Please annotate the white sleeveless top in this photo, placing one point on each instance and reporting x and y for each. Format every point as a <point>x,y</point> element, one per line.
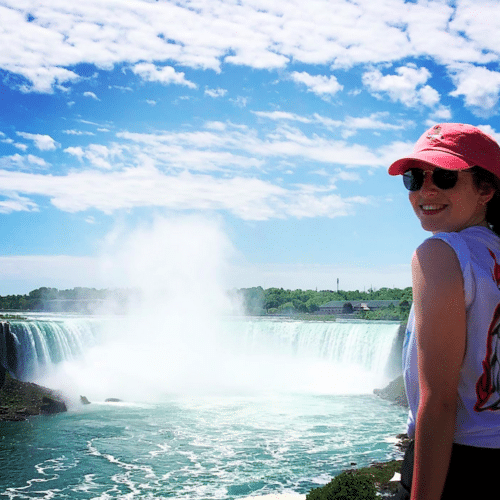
<point>478,418</point>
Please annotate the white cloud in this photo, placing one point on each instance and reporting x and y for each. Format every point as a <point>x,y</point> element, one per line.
<point>348,176</point>
<point>442,113</point>
<point>261,36</point>
<point>348,126</point>
<point>428,96</point>
<point>406,86</point>
<point>102,157</point>
<point>216,92</point>
<point>282,116</point>
<point>91,95</point>
<point>77,132</point>
<point>217,168</point>
<point>122,88</point>
<point>245,197</point>
<point>42,142</point>
<point>21,162</point>
<point>240,101</point>
<point>36,160</point>
<point>479,86</point>
<point>13,202</point>
<point>220,126</point>
<point>18,145</point>
<point>75,151</point>
<point>166,75</point>
<point>234,149</point>
<point>87,122</point>
<point>320,85</point>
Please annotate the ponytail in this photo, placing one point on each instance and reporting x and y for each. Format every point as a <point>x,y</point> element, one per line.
<point>482,177</point>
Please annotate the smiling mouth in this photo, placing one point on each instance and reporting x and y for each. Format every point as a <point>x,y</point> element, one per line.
<point>432,209</point>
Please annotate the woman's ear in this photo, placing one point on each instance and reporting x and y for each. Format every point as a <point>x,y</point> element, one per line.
<point>486,192</point>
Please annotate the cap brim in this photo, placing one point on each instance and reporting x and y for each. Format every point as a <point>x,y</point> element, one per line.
<point>434,158</point>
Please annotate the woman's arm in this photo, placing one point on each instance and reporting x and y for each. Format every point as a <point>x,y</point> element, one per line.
<point>440,322</point>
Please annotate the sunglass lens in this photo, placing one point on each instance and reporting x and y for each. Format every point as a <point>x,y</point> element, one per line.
<point>413,179</point>
<point>444,179</point>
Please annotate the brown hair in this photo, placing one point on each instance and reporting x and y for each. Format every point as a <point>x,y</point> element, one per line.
<point>482,177</point>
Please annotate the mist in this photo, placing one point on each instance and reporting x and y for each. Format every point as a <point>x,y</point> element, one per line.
<point>169,339</point>
<point>183,334</point>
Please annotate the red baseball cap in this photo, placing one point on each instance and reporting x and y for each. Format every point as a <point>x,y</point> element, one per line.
<point>453,146</point>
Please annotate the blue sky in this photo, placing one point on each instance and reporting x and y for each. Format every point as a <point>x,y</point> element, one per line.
<point>270,123</point>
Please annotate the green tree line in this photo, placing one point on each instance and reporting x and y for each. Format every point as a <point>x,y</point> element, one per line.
<point>39,299</point>
<point>256,301</point>
<point>259,301</point>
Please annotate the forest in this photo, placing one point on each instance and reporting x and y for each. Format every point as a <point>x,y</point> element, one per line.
<point>255,301</point>
<point>258,301</point>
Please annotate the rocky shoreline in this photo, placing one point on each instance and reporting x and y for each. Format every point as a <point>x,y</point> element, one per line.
<point>381,474</point>
<point>20,400</point>
<point>394,391</point>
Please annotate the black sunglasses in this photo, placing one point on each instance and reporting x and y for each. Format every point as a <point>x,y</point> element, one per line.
<point>413,179</point>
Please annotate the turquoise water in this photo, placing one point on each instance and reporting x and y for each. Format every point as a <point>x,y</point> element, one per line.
<point>196,447</point>
<point>235,408</point>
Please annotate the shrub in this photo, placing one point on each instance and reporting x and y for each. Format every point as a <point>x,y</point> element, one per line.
<point>345,486</point>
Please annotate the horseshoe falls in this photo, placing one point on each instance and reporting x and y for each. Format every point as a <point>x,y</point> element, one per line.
<point>233,354</point>
<point>221,409</point>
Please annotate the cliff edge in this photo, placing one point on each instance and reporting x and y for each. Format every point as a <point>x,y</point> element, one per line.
<point>20,400</point>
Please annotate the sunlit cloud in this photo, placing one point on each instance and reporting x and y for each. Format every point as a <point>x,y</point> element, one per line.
<point>12,202</point>
<point>247,198</point>
<point>60,35</point>
<point>165,75</point>
<point>479,86</point>
<point>77,132</point>
<point>406,86</point>
<point>216,92</point>
<point>42,142</point>
<point>318,84</point>
<point>92,95</point>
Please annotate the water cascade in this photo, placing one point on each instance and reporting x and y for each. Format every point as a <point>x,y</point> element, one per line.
<point>42,344</point>
<point>339,357</point>
<point>247,354</point>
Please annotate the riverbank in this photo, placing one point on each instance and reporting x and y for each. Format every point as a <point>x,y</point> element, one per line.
<point>20,400</point>
<point>384,476</point>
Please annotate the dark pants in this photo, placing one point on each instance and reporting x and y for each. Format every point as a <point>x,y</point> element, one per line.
<point>473,473</point>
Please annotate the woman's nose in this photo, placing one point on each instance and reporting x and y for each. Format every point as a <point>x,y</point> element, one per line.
<point>428,184</point>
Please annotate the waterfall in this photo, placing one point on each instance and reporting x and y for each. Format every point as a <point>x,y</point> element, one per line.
<point>41,344</point>
<point>250,354</point>
<point>367,344</point>
<point>339,357</point>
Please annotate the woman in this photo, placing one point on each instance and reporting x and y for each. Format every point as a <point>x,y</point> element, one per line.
<point>451,365</point>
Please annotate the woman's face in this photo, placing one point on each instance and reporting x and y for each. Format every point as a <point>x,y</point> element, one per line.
<point>450,210</point>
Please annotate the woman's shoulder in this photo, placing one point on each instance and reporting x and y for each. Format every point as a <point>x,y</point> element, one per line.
<point>436,263</point>
<point>436,256</point>
<point>471,241</point>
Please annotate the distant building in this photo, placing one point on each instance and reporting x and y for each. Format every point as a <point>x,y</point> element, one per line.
<point>353,306</point>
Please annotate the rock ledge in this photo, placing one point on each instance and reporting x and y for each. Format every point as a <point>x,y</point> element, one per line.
<point>20,400</point>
